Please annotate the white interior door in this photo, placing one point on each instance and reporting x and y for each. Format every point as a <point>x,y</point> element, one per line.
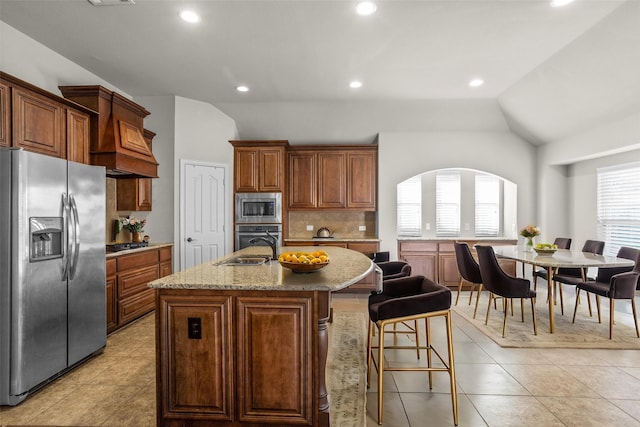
<point>203,213</point>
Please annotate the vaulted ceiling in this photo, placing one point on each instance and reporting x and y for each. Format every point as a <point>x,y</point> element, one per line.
<point>548,72</point>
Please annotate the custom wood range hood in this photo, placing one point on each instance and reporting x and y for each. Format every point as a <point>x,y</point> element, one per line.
<point>117,140</point>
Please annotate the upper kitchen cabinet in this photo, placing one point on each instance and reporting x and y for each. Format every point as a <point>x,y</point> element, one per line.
<point>117,140</point>
<point>5,115</point>
<point>259,166</point>
<point>134,194</point>
<point>333,177</point>
<point>42,122</point>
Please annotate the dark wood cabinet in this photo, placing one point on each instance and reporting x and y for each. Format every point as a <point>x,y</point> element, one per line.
<point>436,259</point>
<point>5,115</point>
<point>259,166</point>
<point>252,360</point>
<point>302,180</point>
<point>135,194</point>
<point>42,122</point>
<point>112,316</point>
<point>128,276</point>
<point>332,177</point>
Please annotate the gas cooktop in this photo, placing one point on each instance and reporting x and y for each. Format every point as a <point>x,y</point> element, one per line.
<point>117,247</point>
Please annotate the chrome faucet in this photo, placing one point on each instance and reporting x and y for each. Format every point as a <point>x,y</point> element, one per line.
<point>270,240</point>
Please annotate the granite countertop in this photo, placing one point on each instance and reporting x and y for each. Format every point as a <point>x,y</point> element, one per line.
<point>136,250</point>
<point>345,268</point>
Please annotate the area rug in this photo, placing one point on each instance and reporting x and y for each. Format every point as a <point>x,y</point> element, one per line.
<point>346,369</point>
<point>586,332</point>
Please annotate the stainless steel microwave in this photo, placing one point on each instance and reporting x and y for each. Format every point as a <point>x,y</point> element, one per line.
<point>259,208</point>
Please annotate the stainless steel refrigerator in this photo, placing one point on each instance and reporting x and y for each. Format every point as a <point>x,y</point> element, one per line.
<point>52,269</point>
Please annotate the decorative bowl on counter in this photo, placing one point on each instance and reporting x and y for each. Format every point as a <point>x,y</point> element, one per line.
<point>304,262</point>
<point>297,267</point>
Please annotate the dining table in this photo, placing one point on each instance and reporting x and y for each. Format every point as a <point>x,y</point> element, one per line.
<point>561,258</point>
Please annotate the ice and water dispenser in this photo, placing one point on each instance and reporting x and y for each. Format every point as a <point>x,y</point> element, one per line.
<point>46,238</point>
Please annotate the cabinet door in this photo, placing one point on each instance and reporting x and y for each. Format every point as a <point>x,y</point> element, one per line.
<point>5,116</point>
<point>271,169</point>
<point>302,180</point>
<point>77,136</point>
<point>361,180</point>
<point>422,264</point>
<point>134,194</point>
<point>38,124</point>
<point>367,284</point>
<point>197,372</point>
<point>332,179</point>
<point>246,169</point>
<point>275,360</point>
<point>448,274</point>
<point>112,319</point>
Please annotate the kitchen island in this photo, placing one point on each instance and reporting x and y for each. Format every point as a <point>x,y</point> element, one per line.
<point>247,344</point>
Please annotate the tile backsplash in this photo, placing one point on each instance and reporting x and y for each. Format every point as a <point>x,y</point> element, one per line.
<point>345,224</point>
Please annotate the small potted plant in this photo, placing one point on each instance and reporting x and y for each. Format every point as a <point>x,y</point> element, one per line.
<point>135,226</point>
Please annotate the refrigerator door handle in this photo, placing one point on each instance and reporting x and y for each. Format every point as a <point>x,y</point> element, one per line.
<point>67,244</point>
<point>76,236</point>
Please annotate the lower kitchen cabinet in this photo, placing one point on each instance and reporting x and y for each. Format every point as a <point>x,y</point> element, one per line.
<point>128,296</point>
<point>436,259</point>
<point>240,358</point>
<point>365,285</point>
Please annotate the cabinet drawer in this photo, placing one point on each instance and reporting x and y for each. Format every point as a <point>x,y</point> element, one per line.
<point>446,247</point>
<point>127,262</point>
<point>418,246</point>
<point>134,307</point>
<point>111,267</point>
<point>132,282</point>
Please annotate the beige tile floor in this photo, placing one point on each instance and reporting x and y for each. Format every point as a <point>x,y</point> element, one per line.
<point>496,386</point>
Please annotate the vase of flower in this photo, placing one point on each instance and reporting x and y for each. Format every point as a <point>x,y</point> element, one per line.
<point>529,246</point>
<point>529,232</point>
<point>134,225</point>
<point>136,236</point>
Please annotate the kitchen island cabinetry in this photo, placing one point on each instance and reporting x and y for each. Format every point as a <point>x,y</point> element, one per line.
<point>259,166</point>
<point>332,177</point>
<point>42,122</point>
<point>436,259</point>
<point>247,345</point>
<point>127,276</point>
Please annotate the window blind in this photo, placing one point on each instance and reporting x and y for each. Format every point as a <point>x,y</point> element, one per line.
<point>487,212</point>
<point>409,206</point>
<point>619,206</point>
<point>447,203</point>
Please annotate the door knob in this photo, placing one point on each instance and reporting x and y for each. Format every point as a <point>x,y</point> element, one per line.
<point>189,239</point>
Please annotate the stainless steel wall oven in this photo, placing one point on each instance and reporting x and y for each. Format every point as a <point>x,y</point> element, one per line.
<point>246,232</point>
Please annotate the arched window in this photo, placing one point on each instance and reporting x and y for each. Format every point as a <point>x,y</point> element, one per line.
<point>456,202</point>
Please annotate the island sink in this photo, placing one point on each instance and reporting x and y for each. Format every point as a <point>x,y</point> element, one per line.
<point>246,260</point>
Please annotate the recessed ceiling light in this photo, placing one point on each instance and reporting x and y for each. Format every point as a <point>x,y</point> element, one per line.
<point>242,88</point>
<point>190,16</point>
<point>476,83</point>
<point>366,8</point>
<point>355,84</point>
<point>560,3</point>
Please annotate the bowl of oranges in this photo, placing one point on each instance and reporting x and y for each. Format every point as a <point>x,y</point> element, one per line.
<point>304,262</point>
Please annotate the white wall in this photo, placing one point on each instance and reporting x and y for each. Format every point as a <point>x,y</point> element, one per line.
<point>202,133</point>
<point>402,155</point>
